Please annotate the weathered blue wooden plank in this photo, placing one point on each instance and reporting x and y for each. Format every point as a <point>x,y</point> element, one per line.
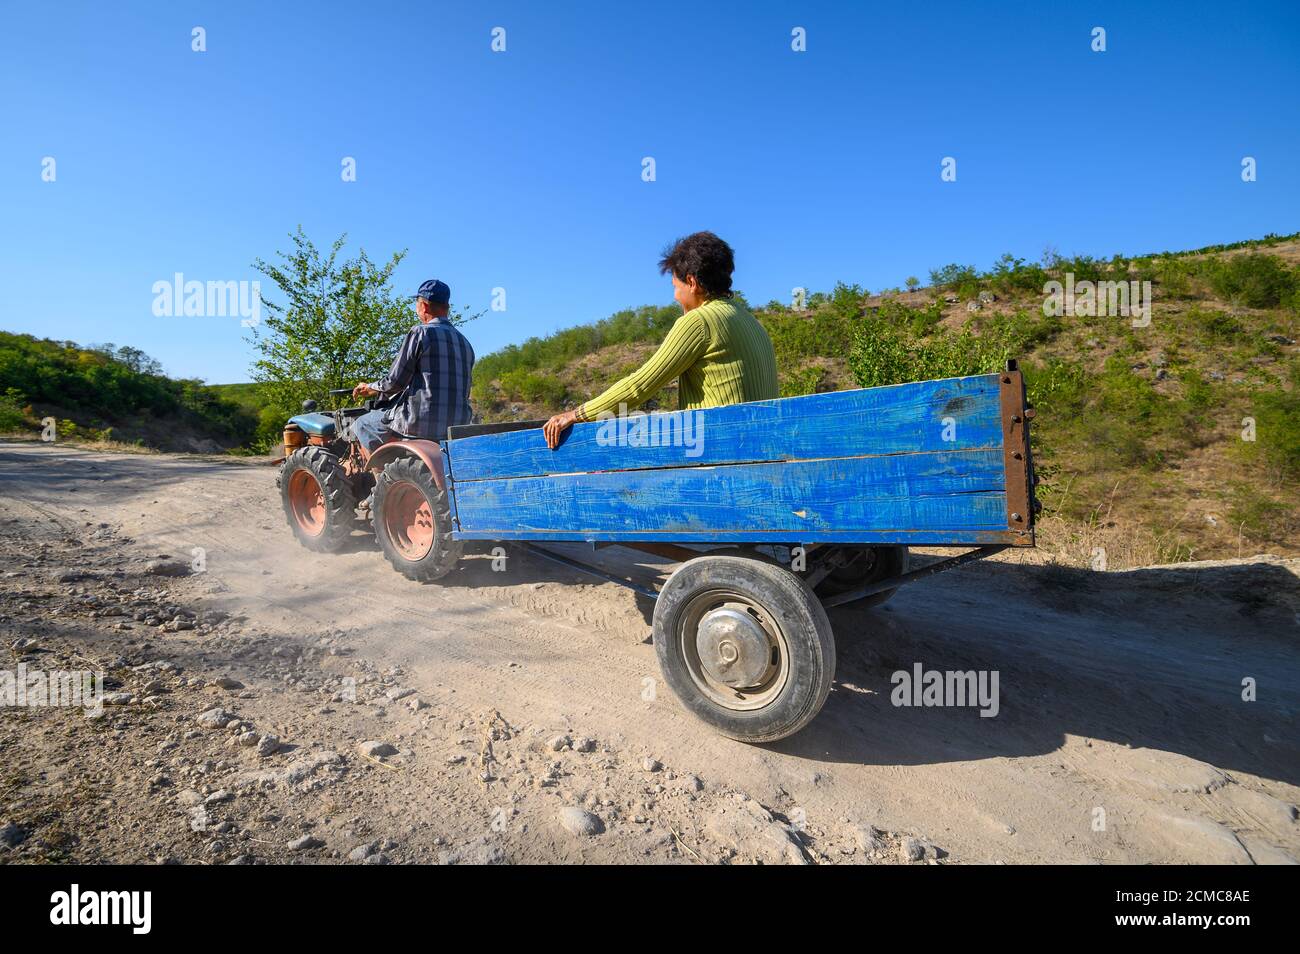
<point>947,415</point>
<point>915,538</point>
<point>906,493</point>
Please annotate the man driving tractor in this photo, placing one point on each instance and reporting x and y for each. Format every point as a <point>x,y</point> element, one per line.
<point>430,378</point>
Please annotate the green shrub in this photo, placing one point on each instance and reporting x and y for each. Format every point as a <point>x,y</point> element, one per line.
<point>1010,274</point>
<point>524,385</point>
<point>798,337</point>
<point>884,354</point>
<point>12,417</point>
<point>70,430</point>
<point>1277,430</point>
<point>1254,514</point>
<point>962,280</point>
<point>1198,393</point>
<point>954,276</point>
<point>1172,276</point>
<point>802,381</point>
<point>1024,330</point>
<point>1125,394</point>
<point>1256,280</point>
<point>917,321</point>
<point>1059,389</point>
<point>1214,326</point>
<point>846,301</point>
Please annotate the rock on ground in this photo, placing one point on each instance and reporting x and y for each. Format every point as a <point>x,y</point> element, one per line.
<point>750,830</point>
<point>580,823</point>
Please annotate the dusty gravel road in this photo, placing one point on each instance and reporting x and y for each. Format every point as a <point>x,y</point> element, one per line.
<point>1121,736</point>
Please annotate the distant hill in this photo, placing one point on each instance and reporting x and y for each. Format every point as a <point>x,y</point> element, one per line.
<point>114,395</point>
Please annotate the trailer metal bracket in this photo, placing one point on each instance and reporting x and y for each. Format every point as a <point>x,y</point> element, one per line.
<point>893,582</point>
<point>588,568</point>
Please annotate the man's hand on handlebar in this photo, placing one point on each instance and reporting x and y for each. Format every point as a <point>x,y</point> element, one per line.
<point>363,390</point>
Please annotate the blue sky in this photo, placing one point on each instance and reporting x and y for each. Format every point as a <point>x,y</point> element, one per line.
<point>522,169</point>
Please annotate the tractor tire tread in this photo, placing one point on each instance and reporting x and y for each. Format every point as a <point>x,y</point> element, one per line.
<point>445,552</point>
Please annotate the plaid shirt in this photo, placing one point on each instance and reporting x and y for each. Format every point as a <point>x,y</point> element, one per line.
<point>433,368</point>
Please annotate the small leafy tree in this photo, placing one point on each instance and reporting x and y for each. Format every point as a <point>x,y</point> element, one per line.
<point>846,300</point>
<point>339,322</point>
<point>912,283</point>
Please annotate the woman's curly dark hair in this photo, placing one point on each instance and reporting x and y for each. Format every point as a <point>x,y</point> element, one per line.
<point>705,256</point>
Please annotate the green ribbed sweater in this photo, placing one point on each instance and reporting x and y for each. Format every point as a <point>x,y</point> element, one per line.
<point>719,351</point>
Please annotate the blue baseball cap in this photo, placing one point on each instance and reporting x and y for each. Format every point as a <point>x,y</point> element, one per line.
<point>435,291</point>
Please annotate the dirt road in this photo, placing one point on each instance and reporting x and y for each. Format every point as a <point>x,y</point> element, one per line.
<point>1121,733</point>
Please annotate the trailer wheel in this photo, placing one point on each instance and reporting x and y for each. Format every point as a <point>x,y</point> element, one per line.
<point>317,499</point>
<point>745,645</point>
<point>412,521</point>
<point>867,565</point>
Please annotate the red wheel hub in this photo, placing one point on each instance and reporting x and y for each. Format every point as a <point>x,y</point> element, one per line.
<point>408,520</point>
<point>307,502</point>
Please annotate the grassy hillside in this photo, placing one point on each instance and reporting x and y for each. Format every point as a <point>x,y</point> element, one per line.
<point>115,395</point>
<point>1144,436</point>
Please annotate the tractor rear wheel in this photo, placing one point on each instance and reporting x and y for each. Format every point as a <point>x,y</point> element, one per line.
<point>412,520</point>
<point>317,499</point>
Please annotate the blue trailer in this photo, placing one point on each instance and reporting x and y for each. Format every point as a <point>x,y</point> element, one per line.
<point>775,510</point>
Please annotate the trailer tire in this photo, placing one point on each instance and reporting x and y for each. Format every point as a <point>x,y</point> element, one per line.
<point>412,521</point>
<point>317,499</point>
<point>886,562</point>
<point>768,655</point>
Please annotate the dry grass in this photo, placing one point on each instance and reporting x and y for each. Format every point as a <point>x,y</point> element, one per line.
<point>116,447</point>
<point>1107,545</point>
